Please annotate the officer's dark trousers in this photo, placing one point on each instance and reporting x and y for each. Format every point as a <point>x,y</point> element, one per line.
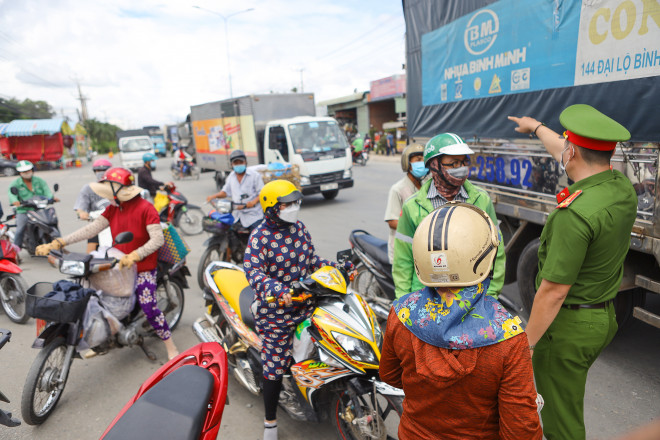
<point>561,361</point>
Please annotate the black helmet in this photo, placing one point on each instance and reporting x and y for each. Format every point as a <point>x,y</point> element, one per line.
<point>237,154</point>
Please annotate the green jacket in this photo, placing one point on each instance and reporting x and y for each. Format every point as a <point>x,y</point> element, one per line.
<point>414,210</point>
<point>39,186</point>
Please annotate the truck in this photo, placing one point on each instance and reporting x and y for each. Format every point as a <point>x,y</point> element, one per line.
<point>132,145</point>
<point>274,128</point>
<point>471,63</point>
<point>158,139</point>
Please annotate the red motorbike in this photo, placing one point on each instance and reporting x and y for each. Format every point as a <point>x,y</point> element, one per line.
<point>184,399</point>
<point>12,284</point>
<point>180,213</point>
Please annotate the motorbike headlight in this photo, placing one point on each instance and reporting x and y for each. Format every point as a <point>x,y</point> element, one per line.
<point>304,180</point>
<point>356,348</point>
<point>75,268</point>
<point>347,174</point>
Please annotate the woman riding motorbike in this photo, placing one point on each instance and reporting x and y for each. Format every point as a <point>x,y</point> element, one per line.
<point>280,252</point>
<point>129,212</point>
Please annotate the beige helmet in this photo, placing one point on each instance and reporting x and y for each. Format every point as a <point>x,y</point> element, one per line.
<point>454,246</point>
<point>409,151</point>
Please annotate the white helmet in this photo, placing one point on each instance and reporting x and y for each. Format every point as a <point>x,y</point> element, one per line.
<point>454,246</point>
<point>23,166</point>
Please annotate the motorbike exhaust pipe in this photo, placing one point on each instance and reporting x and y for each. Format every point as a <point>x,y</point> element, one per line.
<point>204,331</point>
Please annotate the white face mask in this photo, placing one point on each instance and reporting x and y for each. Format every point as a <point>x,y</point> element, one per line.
<point>290,213</point>
<point>563,165</point>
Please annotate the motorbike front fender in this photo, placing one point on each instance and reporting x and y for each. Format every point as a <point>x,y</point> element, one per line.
<point>8,266</point>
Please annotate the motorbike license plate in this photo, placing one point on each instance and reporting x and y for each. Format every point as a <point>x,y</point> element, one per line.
<point>329,186</point>
<point>41,325</point>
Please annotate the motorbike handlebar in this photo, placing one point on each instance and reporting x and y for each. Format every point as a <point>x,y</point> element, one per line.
<point>5,335</point>
<point>302,297</point>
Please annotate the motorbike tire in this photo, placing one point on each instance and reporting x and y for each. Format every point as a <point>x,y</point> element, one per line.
<point>175,174</point>
<point>190,222</point>
<point>215,252</point>
<point>365,284</point>
<point>170,297</point>
<point>361,160</point>
<point>528,267</point>
<point>14,288</point>
<point>387,406</point>
<point>40,385</point>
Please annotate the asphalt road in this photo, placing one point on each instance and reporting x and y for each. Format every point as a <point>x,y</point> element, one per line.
<point>623,390</point>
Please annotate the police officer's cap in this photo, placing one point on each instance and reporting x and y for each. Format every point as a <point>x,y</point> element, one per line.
<point>587,127</point>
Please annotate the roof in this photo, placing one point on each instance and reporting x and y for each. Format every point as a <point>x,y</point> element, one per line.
<point>31,127</point>
<point>343,100</point>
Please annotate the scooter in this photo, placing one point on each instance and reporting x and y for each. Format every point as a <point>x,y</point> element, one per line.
<point>60,325</point>
<point>374,271</point>
<point>180,213</point>
<point>12,285</point>
<point>5,416</point>
<point>184,399</point>
<point>42,225</point>
<point>228,238</point>
<point>189,170</point>
<point>360,157</point>
<point>336,352</point>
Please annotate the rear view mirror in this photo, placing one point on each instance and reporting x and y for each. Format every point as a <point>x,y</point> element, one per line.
<point>123,237</point>
<point>14,190</point>
<point>56,187</point>
<point>343,256</point>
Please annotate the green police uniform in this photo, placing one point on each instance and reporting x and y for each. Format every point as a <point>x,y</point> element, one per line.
<point>584,244</point>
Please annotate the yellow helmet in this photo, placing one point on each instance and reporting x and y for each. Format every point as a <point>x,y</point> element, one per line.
<point>278,191</point>
<point>454,246</point>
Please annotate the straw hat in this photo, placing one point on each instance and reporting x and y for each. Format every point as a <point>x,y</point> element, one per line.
<point>104,189</point>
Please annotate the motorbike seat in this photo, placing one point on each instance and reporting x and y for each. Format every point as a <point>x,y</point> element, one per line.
<point>374,246</point>
<point>175,407</point>
<point>245,300</point>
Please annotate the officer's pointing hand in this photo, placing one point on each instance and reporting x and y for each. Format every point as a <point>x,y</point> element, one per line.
<point>525,124</point>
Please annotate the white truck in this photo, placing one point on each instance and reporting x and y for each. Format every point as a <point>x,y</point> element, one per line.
<point>274,128</point>
<point>132,145</point>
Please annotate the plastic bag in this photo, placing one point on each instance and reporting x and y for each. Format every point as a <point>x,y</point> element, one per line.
<point>116,281</point>
<point>161,200</point>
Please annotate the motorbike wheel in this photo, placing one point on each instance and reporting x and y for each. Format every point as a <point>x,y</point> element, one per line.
<point>42,388</point>
<point>175,174</point>
<point>366,285</point>
<point>385,423</point>
<point>190,222</point>
<point>361,160</point>
<point>13,291</point>
<point>170,299</point>
<point>212,253</point>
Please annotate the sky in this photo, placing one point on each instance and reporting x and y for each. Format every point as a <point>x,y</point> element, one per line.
<point>146,62</point>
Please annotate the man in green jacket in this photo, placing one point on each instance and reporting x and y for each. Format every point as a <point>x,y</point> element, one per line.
<point>28,186</point>
<point>446,155</point>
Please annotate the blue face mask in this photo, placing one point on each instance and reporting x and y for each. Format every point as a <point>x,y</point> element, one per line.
<point>152,164</point>
<point>418,169</point>
<point>240,169</point>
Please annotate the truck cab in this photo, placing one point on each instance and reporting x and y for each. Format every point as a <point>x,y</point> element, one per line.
<point>131,150</point>
<point>319,148</point>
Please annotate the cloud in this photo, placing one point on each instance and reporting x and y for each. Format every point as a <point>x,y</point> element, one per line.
<point>144,63</point>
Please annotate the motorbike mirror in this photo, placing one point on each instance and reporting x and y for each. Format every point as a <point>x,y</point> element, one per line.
<point>123,237</point>
<point>343,256</point>
<point>14,190</point>
<point>56,187</point>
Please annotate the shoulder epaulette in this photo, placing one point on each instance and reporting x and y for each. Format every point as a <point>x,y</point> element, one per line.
<point>568,200</point>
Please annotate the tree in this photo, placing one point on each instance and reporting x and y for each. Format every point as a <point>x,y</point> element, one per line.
<point>12,108</point>
<point>102,134</point>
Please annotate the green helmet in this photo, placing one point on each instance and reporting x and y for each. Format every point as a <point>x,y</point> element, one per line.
<point>445,143</point>
<point>24,165</point>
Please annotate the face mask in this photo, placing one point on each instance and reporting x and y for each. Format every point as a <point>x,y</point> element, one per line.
<point>240,169</point>
<point>27,175</point>
<point>563,165</point>
<point>418,169</point>
<point>99,175</point>
<point>152,164</point>
<point>290,213</point>
<point>458,173</point>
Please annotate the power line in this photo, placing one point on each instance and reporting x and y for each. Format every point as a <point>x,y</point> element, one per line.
<point>357,39</point>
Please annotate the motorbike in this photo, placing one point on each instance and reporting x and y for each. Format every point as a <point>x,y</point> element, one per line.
<point>374,271</point>
<point>336,352</point>
<point>360,157</point>
<point>12,285</point>
<point>41,225</point>
<point>180,213</point>
<point>105,236</point>
<point>184,399</point>
<point>60,325</point>
<point>228,238</point>
<point>5,416</point>
<point>189,170</point>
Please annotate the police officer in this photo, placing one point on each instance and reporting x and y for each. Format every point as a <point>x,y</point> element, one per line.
<point>583,246</point>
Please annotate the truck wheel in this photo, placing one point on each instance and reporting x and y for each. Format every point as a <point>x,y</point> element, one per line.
<point>528,267</point>
<point>625,302</point>
<point>329,195</point>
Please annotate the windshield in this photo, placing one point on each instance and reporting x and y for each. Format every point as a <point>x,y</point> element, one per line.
<point>136,145</point>
<point>317,136</point>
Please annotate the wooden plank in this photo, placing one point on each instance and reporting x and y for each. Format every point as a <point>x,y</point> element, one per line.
<point>647,317</point>
<point>647,283</point>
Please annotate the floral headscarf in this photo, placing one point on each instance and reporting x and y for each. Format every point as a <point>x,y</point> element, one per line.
<point>462,318</point>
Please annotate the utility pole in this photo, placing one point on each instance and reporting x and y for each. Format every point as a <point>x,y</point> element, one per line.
<point>301,80</point>
<point>83,104</point>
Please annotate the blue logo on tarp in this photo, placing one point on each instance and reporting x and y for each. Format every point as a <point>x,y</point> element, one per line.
<point>481,31</point>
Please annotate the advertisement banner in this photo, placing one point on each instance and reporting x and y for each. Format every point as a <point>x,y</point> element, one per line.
<point>220,135</point>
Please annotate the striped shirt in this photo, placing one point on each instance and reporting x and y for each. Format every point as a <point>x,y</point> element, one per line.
<point>437,200</point>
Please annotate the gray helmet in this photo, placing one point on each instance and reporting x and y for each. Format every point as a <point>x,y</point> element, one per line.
<point>237,154</point>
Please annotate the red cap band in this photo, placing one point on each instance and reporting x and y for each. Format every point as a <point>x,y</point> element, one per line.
<point>591,144</point>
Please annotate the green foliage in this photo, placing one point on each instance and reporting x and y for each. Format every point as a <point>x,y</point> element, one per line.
<point>102,135</point>
<point>12,108</point>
